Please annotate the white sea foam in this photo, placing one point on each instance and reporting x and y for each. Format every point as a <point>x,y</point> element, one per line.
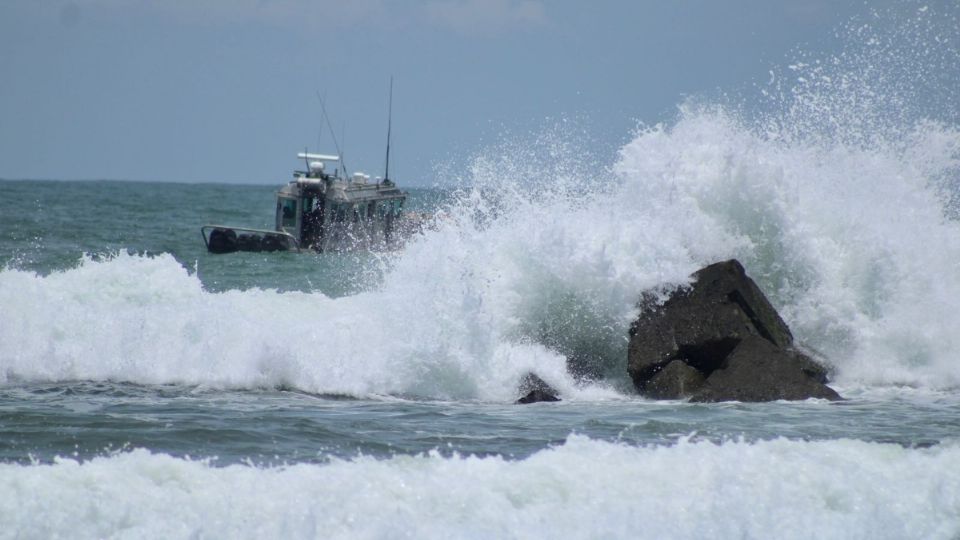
<point>147,320</point>
<point>582,489</point>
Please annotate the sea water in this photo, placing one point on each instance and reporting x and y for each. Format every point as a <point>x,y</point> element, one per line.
<point>151,389</point>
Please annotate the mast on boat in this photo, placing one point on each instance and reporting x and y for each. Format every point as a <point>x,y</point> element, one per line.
<point>326,118</point>
<point>386,171</point>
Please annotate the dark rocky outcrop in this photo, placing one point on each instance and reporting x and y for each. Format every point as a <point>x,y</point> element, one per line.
<point>676,380</point>
<point>534,389</point>
<point>726,331</point>
<point>757,370</point>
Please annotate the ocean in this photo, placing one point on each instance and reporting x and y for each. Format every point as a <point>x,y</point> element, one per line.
<point>151,389</point>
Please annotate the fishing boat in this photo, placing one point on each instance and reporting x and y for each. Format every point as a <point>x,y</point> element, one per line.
<point>324,211</point>
<point>327,211</point>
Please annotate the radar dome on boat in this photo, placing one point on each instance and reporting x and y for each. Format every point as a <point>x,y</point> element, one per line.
<point>316,166</point>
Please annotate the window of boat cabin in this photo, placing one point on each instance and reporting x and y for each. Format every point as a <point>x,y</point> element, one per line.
<point>288,208</point>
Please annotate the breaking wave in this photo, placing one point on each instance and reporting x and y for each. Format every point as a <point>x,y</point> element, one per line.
<point>581,489</point>
<point>839,196</point>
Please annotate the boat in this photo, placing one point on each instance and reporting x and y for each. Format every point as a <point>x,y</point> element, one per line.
<point>323,211</point>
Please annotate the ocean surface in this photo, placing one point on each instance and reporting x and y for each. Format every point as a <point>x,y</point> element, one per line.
<point>151,389</point>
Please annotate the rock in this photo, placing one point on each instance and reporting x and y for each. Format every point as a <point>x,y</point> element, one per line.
<point>534,389</point>
<point>537,396</point>
<point>674,381</point>
<point>704,323</point>
<point>810,367</point>
<point>701,326</point>
<point>757,370</point>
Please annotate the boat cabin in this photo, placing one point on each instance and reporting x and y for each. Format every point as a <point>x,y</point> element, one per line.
<point>327,212</point>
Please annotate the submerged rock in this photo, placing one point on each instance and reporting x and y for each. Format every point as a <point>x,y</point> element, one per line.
<point>700,328</point>
<point>533,389</point>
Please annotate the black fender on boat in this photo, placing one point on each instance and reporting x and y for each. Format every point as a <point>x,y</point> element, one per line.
<point>222,241</point>
<point>249,242</point>
<point>273,243</point>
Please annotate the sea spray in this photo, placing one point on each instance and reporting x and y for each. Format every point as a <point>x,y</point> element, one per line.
<point>839,194</point>
<point>851,244</point>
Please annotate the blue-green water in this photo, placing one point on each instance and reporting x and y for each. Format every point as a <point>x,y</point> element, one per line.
<point>88,419</point>
<point>49,225</point>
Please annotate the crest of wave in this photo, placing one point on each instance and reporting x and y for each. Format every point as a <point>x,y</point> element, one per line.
<point>852,244</point>
<point>147,320</point>
<point>546,249</point>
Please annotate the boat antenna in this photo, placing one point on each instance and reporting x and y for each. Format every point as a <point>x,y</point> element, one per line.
<point>320,129</point>
<point>386,169</point>
<point>333,135</point>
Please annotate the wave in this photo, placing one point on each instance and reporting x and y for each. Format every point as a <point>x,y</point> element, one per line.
<point>852,246</point>
<point>581,489</point>
<point>839,197</point>
<point>148,320</point>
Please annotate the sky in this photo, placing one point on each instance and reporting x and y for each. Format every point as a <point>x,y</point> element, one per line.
<point>230,90</point>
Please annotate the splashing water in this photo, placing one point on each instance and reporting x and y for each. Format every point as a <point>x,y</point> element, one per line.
<point>839,197</point>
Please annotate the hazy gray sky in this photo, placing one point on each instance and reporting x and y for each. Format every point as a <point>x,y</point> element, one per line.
<point>226,90</point>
